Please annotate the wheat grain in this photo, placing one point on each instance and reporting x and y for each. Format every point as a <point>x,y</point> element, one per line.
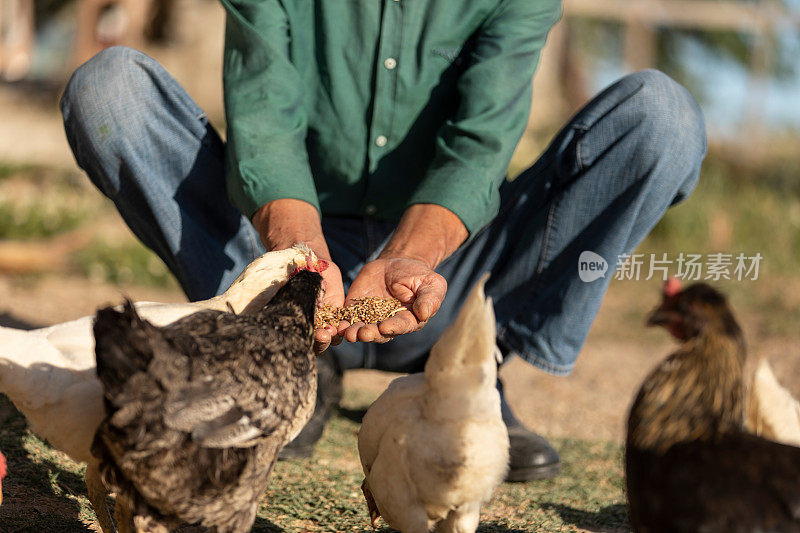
<point>367,310</point>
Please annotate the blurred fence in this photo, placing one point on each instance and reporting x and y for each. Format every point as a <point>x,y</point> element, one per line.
<point>562,84</point>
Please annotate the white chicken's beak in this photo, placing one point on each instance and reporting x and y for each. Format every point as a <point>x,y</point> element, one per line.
<point>498,355</point>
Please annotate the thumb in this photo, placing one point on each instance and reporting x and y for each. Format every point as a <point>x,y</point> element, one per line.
<point>429,298</point>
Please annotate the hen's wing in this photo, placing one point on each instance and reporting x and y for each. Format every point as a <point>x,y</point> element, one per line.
<point>124,346</point>
<point>383,414</point>
<point>227,400</point>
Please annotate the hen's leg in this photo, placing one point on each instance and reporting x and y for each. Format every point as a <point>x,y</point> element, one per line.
<point>372,507</point>
<point>123,513</point>
<point>97,497</point>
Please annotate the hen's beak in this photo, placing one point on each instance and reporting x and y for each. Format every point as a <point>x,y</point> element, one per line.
<point>661,317</point>
<point>656,318</point>
<point>498,356</point>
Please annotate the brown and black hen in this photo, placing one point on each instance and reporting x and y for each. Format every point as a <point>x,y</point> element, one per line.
<point>690,465</point>
<point>198,410</point>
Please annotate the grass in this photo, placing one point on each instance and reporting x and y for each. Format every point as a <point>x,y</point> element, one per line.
<point>44,489</point>
<point>37,203</point>
<point>128,262</point>
<point>733,214</point>
<point>36,222</point>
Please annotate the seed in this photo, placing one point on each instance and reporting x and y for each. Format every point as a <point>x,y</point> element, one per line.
<point>367,310</point>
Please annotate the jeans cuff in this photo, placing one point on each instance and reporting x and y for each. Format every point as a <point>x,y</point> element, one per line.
<point>541,361</point>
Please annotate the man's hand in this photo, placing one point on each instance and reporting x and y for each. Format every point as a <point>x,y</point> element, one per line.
<point>283,223</point>
<point>411,281</point>
<point>425,236</point>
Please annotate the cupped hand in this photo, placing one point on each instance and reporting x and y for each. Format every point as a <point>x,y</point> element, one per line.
<point>411,281</point>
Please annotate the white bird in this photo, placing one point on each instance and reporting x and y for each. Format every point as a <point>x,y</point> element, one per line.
<point>50,373</point>
<point>433,446</point>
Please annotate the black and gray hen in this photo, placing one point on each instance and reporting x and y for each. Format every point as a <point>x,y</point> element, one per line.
<point>690,466</point>
<point>197,411</point>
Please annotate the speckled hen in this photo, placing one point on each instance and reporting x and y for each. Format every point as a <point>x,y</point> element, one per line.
<point>198,410</point>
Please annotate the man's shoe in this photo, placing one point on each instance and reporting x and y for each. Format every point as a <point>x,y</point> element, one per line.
<point>329,394</point>
<point>530,455</point>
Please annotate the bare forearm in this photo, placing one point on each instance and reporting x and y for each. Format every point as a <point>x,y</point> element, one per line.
<point>282,223</point>
<point>426,232</point>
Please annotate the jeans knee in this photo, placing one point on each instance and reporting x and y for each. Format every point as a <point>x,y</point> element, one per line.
<point>102,108</point>
<point>673,129</point>
<point>104,103</point>
<point>670,114</point>
<point>104,80</point>
<point>105,95</point>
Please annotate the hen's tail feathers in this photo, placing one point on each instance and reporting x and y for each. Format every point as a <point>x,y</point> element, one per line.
<point>122,346</point>
<point>470,342</point>
<point>772,411</point>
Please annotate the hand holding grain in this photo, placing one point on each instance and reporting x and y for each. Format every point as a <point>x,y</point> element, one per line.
<point>411,281</point>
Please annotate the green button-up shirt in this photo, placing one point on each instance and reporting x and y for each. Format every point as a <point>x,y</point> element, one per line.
<point>369,106</point>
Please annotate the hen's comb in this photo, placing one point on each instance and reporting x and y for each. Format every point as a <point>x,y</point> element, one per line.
<point>319,267</point>
<point>2,466</point>
<point>672,287</point>
<point>310,265</point>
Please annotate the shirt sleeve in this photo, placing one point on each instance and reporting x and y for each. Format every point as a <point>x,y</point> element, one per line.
<point>474,148</point>
<point>266,155</point>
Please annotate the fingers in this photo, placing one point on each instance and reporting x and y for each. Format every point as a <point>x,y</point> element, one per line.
<point>325,337</point>
<point>410,281</point>
<point>401,323</point>
<point>322,339</point>
<point>360,332</point>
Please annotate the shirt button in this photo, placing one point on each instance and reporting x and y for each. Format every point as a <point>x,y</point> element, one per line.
<point>390,63</point>
<point>380,140</point>
<point>370,210</point>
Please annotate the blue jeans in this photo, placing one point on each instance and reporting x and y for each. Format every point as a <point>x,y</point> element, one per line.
<point>602,184</point>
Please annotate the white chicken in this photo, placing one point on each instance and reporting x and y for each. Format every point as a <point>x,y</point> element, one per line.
<point>49,373</point>
<point>433,446</point>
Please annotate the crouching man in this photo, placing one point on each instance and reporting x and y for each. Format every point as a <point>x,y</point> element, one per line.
<point>380,132</point>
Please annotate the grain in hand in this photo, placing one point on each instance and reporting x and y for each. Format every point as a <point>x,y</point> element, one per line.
<point>370,310</point>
